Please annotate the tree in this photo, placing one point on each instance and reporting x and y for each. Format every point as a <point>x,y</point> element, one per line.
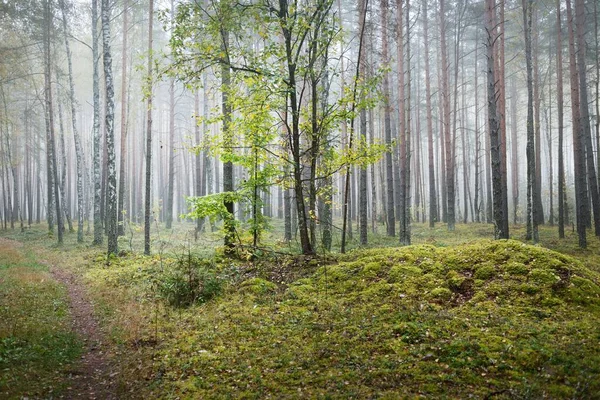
<point>362,202</point>
<point>448,143</point>
<point>559,105</point>
<point>581,199</point>
<point>52,171</point>
<point>98,230</point>
<point>148,183</point>
<point>430,157</point>
<point>111,209</point>
<point>532,219</point>
<point>76,137</point>
<point>123,160</point>
<point>500,216</point>
<point>584,113</point>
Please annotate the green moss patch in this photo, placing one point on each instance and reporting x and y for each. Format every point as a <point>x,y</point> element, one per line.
<point>487,317</point>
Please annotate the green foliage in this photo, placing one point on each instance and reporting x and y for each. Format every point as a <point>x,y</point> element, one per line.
<point>413,321</point>
<point>189,281</point>
<point>36,341</point>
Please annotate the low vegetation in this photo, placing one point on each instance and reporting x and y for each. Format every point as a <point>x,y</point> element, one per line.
<point>488,319</point>
<point>36,342</point>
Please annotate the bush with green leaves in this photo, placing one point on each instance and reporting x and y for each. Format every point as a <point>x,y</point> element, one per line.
<point>188,281</point>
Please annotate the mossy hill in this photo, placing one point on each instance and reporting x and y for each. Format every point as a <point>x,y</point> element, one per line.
<point>490,319</point>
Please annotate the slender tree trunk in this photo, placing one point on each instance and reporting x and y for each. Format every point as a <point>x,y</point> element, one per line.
<point>53,191</point>
<point>123,159</point>
<point>404,234</point>
<point>578,145</point>
<point>502,115</point>
<point>62,156</point>
<point>111,189</point>
<point>362,199</point>
<point>148,183</point>
<point>500,218</point>
<point>537,200</point>
<point>433,217</point>
<point>387,111</point>
<point>449,145</point>
<point>559,105</point>
<point>515,148</point>
<point>228,186</point>
<point>585,125</point>
<point>98,232</point>
<point>532,219</point>
<point>76,137</point>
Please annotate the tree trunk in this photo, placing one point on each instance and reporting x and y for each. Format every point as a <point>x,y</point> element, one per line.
<point>111,189</point>
<point>578,145</point>
<point>228,223</point>
<point>53,191</point>
<point>98,233</point>
<point>500,218</point>
<point>584,114</point>
<point>76,137</point>
<point>559,105</point>
<point>537,200</point>
<point>123,159</point>
<point>449,145</point>
<point>532,220</point>
<point>431,166</point>
<point>515,148</point>
<point>148,183</point>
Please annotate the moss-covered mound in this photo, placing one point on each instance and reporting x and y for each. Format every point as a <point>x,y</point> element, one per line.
<point>495,319</point>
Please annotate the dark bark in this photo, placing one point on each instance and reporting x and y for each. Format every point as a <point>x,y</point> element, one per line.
<point>579,172</point>
<point>500,217</point>
<point>123,159</point>
<point>430,158</point>
<point>584,114</point>
<point>559,105</point>
<point>148,183</point>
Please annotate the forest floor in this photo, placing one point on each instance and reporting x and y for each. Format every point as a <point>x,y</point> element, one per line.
<point>34,361</point>
<point>456,316</point>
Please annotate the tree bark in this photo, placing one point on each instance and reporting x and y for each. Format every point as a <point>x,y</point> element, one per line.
<point>98,226</point>
<point>532,219</point>
<point>123,160</point>
<point>111,189</point>
<point>584,114</point>
<point>559,105</point>
<point>76,137</point>
<point>53,190</point>
<point>500,217</point>
<point>148,183</point>
<point>579,172</point>
<point>431,166</point>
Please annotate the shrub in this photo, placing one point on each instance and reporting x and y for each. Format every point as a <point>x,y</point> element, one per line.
<point>189,281</point>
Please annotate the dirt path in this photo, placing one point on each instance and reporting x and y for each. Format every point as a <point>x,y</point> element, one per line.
<point>92,377</point>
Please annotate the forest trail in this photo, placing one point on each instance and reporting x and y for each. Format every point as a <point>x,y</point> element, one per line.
<point>91,377</point>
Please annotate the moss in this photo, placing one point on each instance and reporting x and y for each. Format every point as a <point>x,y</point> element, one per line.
<point>400,272</point>
<point>455,280</point>
<point>528,288</point>
<point>485,272</point>
<point>258,286</point>
<point>543,277</point>
<point>370,270</point>
<point>515,268</point>
<point>440,294</point>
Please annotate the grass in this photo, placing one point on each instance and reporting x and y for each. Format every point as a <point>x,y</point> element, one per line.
<point>36,342</point>
<point>454,316</point>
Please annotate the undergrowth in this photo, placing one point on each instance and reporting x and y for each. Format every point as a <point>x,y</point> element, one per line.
<point>452,317</point>
<point>36,342</point>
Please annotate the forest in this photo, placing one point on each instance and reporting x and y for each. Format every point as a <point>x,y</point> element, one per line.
<point>299,198</point>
